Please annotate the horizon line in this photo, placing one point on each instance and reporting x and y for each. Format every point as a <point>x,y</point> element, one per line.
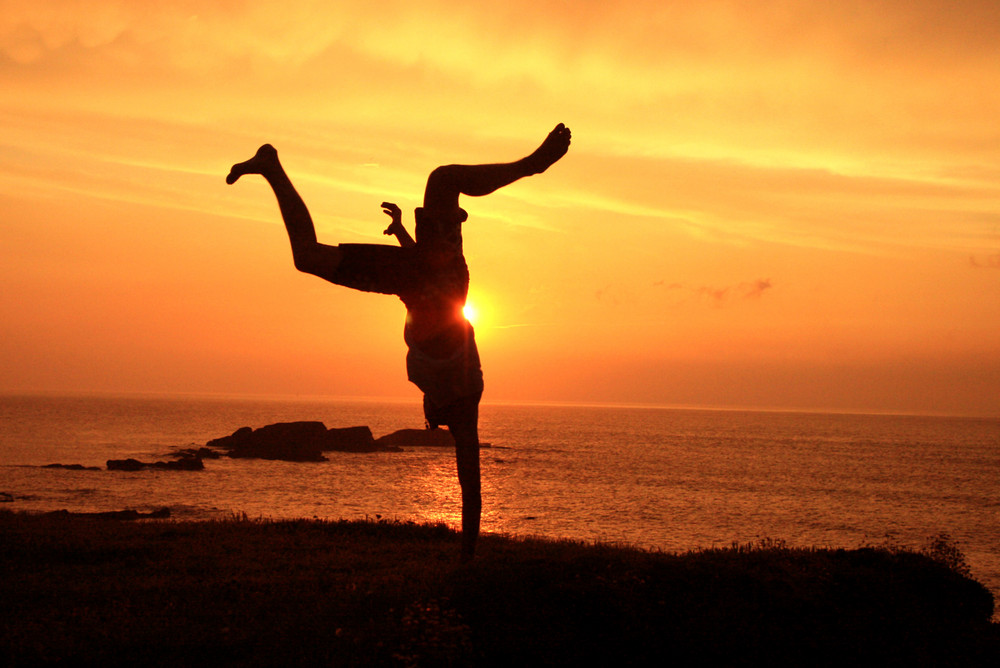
<point>551,403</point>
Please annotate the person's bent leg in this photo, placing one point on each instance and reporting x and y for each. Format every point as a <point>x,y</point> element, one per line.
<point>466,436</point>
<point>309,255</point>
<point>446,183</point>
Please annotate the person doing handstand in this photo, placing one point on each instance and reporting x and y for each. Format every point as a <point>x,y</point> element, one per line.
<point>429,274</point>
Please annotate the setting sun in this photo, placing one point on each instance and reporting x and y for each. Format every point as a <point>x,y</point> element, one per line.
<point>470,312</point>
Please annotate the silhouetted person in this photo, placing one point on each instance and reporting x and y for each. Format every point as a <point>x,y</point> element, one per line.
<point>431,277</point>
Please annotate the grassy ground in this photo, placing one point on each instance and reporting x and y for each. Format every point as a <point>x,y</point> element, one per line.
<point>79,591</point>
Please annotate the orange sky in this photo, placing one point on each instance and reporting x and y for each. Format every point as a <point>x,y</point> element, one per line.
<point>785,205</point>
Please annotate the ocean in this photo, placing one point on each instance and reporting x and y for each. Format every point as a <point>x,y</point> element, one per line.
<point>659,478</point>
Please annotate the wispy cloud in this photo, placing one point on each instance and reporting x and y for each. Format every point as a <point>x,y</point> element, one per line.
<point>987,262</point>
<point>719,295</point>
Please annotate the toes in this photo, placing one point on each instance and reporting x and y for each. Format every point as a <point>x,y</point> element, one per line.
<point>265,156</point>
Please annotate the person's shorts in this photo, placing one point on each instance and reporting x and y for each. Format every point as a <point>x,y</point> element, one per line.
<point>389,270</point>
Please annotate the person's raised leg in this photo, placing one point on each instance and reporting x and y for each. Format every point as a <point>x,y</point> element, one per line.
<point>309,255</point>
<point>446,183</point>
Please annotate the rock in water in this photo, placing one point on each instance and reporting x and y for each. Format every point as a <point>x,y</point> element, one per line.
<point>350,439</point>
<point>413,438</point>
<point>182,464</point>
<point>418,438</point>
<point>303,441</point>
<point>125,465</point>
<point>291,441</point>
<point>72,467</point>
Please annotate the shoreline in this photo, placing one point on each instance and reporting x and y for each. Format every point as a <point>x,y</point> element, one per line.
<point>245,592</point>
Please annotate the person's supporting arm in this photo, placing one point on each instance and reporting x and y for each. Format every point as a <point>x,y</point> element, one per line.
<point>396,226</point>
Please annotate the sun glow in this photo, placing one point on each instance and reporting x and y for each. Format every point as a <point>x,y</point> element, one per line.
<point>470,312</point>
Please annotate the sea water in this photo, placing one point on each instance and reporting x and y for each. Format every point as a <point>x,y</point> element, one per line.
<point>658,478</point>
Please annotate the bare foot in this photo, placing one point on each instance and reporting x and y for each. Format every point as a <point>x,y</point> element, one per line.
<point>553,148</point>
<point>263,160</point>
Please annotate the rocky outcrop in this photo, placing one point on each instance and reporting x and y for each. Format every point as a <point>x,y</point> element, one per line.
<point>200,453</point>
<point>72,467</point>
<point>182,464</point>
<point>295,441</point>
<point>419,438</point>
<point>350,439</point>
